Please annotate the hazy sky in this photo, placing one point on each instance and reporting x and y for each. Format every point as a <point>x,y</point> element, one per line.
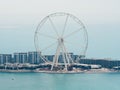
<point>19,19</point>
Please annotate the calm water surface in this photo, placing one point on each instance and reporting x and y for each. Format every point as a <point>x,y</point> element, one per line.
<point>42,81</point>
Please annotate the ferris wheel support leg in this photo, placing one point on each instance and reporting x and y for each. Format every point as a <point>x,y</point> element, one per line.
<point>52,64</point>
<point>55,59</point>
<point>58,53</point>
<point>64,59</point>
<point>66,54</point>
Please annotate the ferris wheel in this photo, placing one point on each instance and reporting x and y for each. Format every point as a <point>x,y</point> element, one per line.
<point>60,34</point>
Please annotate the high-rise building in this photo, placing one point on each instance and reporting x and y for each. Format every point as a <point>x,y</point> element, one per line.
<point>49,57</point>
<point>20,58</point>
<point>5,58</point>
<point>34,58</point>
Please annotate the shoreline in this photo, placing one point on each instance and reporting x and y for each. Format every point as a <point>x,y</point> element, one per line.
<point>61,72</point>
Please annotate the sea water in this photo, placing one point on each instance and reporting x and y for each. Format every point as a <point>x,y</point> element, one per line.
<point>44,81</point>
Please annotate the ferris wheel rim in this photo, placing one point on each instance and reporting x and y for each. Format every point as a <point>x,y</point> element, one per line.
<point>61,13</point>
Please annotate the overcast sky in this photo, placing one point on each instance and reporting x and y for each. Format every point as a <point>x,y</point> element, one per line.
<point>19,19</point>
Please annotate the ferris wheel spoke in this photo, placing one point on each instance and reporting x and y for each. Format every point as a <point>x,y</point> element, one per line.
<point>49,46</point>
<point>82,50</point>
<point>71,43</point>
<point>54,28</point>
<point>68,42</point>
<point>45,35</point>
<point>65,25</point>
<point>73,32</point>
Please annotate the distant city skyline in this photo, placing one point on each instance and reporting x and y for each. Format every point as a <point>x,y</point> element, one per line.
<point>19,19</point>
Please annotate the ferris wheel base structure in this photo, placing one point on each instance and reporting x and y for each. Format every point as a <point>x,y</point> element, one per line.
<point>58,34</point>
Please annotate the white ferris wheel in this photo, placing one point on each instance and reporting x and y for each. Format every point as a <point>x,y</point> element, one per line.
<point>60,34</point>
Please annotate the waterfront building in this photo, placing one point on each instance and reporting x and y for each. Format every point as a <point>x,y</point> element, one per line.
<point>34,58</point>
<point>60,59</point>
<point>70,55</point>
<point>20,58</point>
<point>49,57</point>
<point>5,58</point>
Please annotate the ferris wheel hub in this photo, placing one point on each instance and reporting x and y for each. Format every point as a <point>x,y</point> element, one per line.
<point>60,40</point>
